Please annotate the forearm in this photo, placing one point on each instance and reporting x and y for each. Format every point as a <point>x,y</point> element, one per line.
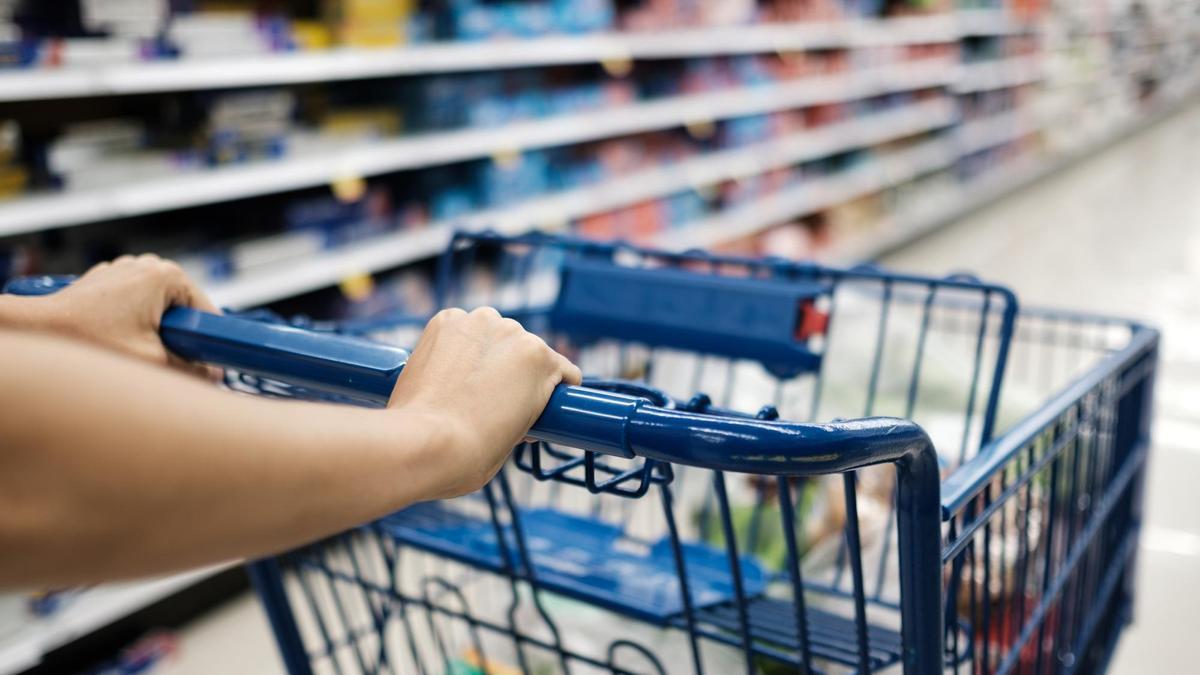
<point>19,312</point>
<point>109,467</point>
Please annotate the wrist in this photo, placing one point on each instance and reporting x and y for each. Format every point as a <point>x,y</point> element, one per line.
<point>448,450</point>
<point>27,313</point>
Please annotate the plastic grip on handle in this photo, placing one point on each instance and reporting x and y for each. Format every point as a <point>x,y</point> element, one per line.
<point>333,363</point>
<point>589,419</point>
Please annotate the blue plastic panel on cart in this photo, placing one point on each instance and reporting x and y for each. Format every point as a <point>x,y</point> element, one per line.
<point>580,558</point>
<point>752,318</point>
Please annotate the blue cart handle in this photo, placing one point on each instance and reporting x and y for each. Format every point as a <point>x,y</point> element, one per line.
<point>591,419</point>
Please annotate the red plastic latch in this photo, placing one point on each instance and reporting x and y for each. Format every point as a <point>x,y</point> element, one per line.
<point>811,321</point>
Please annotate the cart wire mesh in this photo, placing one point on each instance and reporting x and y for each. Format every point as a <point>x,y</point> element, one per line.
<point>570,561</point>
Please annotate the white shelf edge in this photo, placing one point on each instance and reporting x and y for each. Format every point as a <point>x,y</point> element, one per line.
<point>995,130</point>
<point>350,63</point>
<point>987,22</point>
<point>51,210</point>
<point>91,610</point>
<point>549,212</point>
<point>998,74</point>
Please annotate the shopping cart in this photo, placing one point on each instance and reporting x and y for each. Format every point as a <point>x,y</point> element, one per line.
<point>668,521</point>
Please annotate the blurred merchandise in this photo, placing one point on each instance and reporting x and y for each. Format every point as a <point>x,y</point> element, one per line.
<point>371,24</point>
<point>13,176</point>
<point>96,154</point>
<point>248,125</point>
<point>140,657</point>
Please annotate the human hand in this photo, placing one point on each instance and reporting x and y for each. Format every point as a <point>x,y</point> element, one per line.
<point>119,305</point>
<point>483,380</point>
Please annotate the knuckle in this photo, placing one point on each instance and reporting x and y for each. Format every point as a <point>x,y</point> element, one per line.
<point>535,344</point>
<point>485,312</point>
<point>168,270</point>
<point>448,314</point>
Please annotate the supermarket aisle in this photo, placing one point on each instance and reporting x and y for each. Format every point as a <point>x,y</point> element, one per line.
<point>1118,234</point>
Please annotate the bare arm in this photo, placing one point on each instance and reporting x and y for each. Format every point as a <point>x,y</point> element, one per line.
<point>111,467</point>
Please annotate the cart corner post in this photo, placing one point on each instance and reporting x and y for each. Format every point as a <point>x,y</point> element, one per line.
<point>919,524</point>
<point>267,577</point>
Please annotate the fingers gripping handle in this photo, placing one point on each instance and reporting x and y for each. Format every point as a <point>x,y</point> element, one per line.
<point>584,418</point>
<point>577,416</point>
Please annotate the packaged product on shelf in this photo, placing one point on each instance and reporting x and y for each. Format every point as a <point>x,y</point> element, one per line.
<point>15,51</point>
<point>310,35</point>
<point>667,14</point>
<point>684,208</point>
<point>407,293</point>
<point>472,20</point>
<point>94,154</point>
<point>52,601</point>
<point>94,51</point>
<point>472,662</point>
<point>338,221</point>
<point>802,10</point>
<point>244,126</point>
<point>136,19</point>
<point>13,176</point>
<point>361,123</point>
<point>371,24</point>
<point>451,203</point>
<point>792,241</point>
<point>227,32</point>
<point>583,16</point>
<point>13,614</point>
<point>854,217</point>
<point>505,180</point>
<point>141,656</point>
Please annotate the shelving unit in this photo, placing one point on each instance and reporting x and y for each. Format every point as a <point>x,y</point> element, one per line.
<point>1010,72</point>
<point>551,212</point>
<point>41,212</point>
<point>758,215</point>
<point>351,64</point>
<point>91,610</point>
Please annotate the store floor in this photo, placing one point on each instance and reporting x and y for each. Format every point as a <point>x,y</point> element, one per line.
<point>1117,234</point>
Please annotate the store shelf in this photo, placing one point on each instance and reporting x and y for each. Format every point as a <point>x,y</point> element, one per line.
<point>50,210</point>
<point>985,22</point>
<point>93,609</point>
<point>758,215</point>
<point>996,130</point>
<point>354,64</point>
<point>999,74</point>
<point>292,277</point>
<point>916,222</point>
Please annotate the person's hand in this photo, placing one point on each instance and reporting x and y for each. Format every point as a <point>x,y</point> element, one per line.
<point>484,381</point>
<point>119,305</point>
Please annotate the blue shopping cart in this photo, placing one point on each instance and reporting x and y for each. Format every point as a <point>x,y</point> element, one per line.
<point>669,520</point>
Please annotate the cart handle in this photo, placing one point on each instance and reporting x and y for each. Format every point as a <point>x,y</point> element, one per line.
<point>602,421</point>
